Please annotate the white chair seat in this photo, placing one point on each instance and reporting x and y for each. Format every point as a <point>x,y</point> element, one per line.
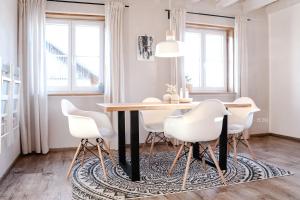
<point>235,129</point>
<point>157,128</point>
<point>88,125</point>
<point>202,124</point>
<point>153,121</point>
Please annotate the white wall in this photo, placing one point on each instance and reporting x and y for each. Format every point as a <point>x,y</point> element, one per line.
<point>144,79</point>
<point>284,47</point>
<point>258,69</point>
<point>10,145</point>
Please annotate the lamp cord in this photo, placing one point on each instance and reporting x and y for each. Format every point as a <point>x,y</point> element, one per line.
<point>170,22</point>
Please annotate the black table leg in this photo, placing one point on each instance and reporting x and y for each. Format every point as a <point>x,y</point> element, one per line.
<point>196,150</point>
<point>223,145</point>
<point>134,145</point>
<point>121,139</point>
<point>132,169</point>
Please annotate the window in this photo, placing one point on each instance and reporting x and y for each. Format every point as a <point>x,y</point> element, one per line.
<point>206,59</point>
<point>74,55</point>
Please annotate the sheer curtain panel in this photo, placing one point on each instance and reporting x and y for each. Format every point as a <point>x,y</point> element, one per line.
<point>114,91</point>
<point>241,56</point>
<point>33,109</point>
<point>178,23</point>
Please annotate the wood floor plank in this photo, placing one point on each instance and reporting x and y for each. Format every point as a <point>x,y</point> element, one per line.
<point>42,177</point>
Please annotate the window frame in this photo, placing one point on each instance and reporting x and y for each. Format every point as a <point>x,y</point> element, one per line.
<point>204,29</point>
<point>73,20</point>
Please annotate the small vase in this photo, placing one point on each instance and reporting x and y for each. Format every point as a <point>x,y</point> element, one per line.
<point>175,98</point>
<point>167,98</point>
<point>189,87</point>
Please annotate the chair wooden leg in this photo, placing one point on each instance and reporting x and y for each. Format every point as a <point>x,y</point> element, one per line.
<point>216,144</point>
<point>217,164</point>
<point>204,164</point>
<point>109,153</point>
<point>102,160</point>
<point>173,145</point>
<point>228,148</point>
<point>187,167</point>
<point>83,155</point>
<point>175,160</point>
<point>234,148</point>
<point>203,160</point>
<point>152,143</point>
<point>74,159</point>
<point>250,149</point>
<point>167,143</point>
<point>146,141</point>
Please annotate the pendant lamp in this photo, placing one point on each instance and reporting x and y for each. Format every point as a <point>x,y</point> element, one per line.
<point>169,48</point>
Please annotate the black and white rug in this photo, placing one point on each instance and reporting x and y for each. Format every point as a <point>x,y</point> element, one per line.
<point>88,181</point>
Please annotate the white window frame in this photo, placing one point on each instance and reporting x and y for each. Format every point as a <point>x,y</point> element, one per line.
<point>204,88</point>
<point>71,88</point>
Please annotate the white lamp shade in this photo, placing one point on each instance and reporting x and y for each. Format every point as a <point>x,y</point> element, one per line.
<point>169,49</point>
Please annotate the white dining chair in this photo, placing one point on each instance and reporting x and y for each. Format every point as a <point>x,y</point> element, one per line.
<point>202,124</point>
<point>240,120</point>
<point>153,121</point>
<point>88,125</point>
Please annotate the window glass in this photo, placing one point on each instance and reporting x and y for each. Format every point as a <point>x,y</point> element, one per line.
<point>205,59</point>
<point>193,58</point>
<point>87,55</point>
<point>74,55</point>
<point>57,55</point>
<point>214,60</point>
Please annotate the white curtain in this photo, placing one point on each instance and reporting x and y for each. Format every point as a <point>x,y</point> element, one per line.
<point>114,91</point>
<point>33,108</point>
<point>178,18</point>
<point>241,59</point>
<point>241,56</point>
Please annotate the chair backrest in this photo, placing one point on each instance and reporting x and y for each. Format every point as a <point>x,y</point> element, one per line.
<point>80,125</point>
<point>67,107</point>
<point>244,115</point>
<point>204,122</point>
<point>154,116</point>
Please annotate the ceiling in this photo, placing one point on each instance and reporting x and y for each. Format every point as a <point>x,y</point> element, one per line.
<point>246,5</point>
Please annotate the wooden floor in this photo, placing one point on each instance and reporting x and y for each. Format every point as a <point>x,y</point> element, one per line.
<point>39,177</point>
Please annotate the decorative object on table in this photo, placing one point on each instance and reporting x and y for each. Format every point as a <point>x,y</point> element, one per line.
<point>188,83</point>
<point>88,181</point>
<point>185,100</point>
<point>184,96</point>
<point>167,98</point>
<point>184,93</point>
<point>145,48</point>
<point>172,95</point>
<point>175,98</point>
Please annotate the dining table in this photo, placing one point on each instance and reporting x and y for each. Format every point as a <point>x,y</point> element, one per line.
<point>132,167</point>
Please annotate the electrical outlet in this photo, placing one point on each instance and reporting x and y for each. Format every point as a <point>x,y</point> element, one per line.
<point>262,120</point>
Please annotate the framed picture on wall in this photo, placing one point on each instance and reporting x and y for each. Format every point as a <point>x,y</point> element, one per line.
<point>145,47</point>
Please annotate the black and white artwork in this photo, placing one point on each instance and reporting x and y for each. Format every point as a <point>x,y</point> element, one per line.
<point>145,48</point>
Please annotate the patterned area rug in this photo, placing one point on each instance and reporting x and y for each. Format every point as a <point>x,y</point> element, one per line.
<point>88,181</point>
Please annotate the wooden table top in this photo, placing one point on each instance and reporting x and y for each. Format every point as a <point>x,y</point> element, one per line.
<point>113,107</point>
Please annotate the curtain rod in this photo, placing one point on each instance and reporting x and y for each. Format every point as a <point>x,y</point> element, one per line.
<point>205,14</point>
<point>80,2</point>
